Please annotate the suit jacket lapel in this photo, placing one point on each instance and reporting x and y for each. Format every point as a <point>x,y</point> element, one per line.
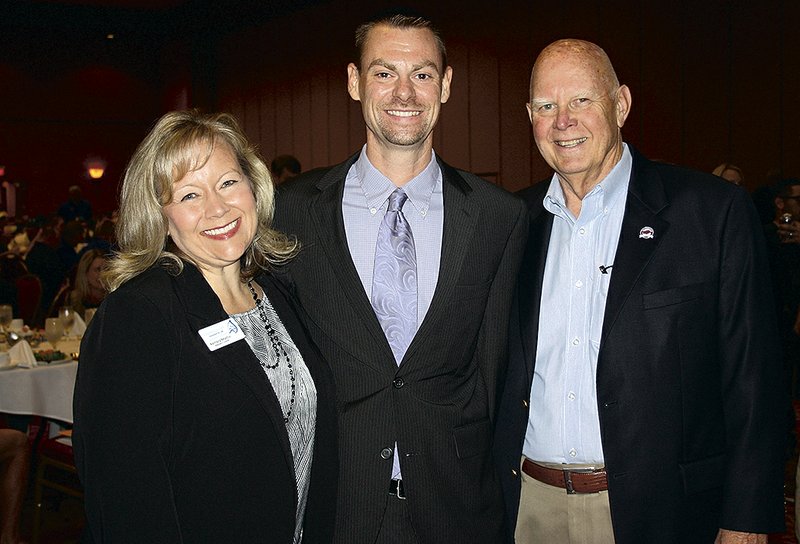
<point>325,210</point>
<point>203,308</point>
<point>646,198</point>
<point>532,277</point>
<point>460,219</point>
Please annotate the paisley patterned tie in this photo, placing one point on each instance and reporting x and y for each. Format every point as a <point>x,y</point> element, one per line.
<point>394,279</point>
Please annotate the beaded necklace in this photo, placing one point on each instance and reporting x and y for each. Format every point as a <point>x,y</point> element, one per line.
<point>277,347</point>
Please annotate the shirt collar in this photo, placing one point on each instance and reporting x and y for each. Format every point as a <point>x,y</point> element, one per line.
<point>607,194</point>
<point>377,187</point>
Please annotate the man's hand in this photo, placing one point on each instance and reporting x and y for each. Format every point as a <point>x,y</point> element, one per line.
<point>789,233</point>
<point>735,537</point>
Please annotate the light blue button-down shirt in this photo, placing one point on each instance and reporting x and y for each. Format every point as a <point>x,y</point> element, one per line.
<point>364,203</point>
<point>564,425</point>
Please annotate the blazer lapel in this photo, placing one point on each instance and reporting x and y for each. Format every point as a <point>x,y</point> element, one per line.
<point>325,210</point>
<point>532,277</point>
<point>203,308</point>
<point>641,233</point>
<point>460,219</point>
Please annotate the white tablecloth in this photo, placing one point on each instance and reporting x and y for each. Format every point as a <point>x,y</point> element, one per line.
<point>42,391</point>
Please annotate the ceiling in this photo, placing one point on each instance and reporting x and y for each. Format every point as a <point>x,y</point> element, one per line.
<point>146,16</point>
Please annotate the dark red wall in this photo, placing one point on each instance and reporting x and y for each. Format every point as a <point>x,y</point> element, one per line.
<point>71,96</point>
<point>712,81</point>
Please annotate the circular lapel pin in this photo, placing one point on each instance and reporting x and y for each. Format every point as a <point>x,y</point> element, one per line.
<point>647,233</point>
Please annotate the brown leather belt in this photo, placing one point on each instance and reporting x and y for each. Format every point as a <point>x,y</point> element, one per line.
<point>588,481</point>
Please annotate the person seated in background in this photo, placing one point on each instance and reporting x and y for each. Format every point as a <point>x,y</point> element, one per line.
<point>76,207</point>
<point>103,237</point>
<point>89,291</point>
<point>284,167</point>
<point>72,241</point>
<point>14,462</point>
<point>729,172</point>
<point>43,261</point>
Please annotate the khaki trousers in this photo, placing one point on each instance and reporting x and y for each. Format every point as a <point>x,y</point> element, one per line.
<point>549,514</point>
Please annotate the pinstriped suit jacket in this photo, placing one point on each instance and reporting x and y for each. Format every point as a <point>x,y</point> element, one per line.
<point>439,404</point>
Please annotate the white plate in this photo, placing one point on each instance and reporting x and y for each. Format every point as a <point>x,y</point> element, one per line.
<point>8,367</point>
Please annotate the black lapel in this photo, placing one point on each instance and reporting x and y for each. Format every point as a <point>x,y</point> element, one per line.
<point>460,221</point>
<point>203,308</point>
<point>531,275</point>
<point>325,211</point>
<point>646,199</point>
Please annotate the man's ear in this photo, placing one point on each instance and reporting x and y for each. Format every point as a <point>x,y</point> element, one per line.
<point>624,103</point>
<point>447,78</point>
<point>353,81</point>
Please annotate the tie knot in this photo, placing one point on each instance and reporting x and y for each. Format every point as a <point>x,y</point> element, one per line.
<point>396,200</point>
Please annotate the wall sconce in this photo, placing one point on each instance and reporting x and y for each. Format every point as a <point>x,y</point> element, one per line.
<point>95,168</point>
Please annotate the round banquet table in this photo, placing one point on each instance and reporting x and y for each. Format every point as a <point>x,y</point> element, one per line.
<point>44,390</point>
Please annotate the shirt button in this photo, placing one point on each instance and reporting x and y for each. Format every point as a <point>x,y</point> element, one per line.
<point>386,453</point>
<point>581,230</point>
<point>576,341</point>
<point>571,395</point>
<point>423,213</point>
<point>579,284</point>
<point>373,211</point>
<point>573,453</point>
<point>398,383</point>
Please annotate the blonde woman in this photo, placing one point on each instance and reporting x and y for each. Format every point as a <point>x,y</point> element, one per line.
<point>89,291</point>
<point>200,404</point>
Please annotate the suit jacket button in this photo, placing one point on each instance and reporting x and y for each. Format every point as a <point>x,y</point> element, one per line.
<point>398,383</point>
<point>525,403</point>
<point>386,453</point>
<point>514,472</point>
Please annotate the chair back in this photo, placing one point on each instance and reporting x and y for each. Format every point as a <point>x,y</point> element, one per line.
<point>29,297</point>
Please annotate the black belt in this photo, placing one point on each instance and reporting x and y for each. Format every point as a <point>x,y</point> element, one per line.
<point>396,489</point>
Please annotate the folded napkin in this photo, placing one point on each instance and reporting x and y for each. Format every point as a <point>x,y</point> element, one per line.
<point>22,354</point>
<point>78,327</point>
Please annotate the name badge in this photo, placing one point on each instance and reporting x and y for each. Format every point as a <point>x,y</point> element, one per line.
<point>221,334</point>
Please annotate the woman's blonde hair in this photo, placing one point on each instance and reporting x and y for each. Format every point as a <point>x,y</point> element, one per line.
<point>81,274</point>
<point>165,156</point>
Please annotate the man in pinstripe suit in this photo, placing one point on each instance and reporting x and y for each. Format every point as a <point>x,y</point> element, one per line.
<point>415,423</point>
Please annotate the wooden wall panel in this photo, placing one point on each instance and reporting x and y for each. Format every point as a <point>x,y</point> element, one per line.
<point>756,113</point>
<point>300,142</point>
<point>711,82</point>
<point>706,88</point>
<point>267,144</point>
<point>658,99</point>
<point>452,135</point>
<point>789,84</point>
<point>319,120</point>
<point>338,118</point>
<point>484,111</point>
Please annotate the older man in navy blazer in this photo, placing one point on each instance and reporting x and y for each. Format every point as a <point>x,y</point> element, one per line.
<point>643,399</point>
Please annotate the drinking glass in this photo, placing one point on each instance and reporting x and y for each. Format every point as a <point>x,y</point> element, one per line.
<point>67,316</point>
<point>53,330</point>
<point>6,315</point>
